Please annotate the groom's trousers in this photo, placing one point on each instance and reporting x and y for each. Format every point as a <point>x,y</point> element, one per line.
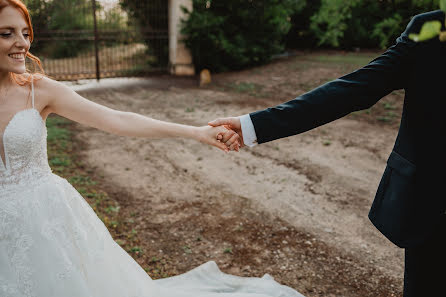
<point>425,266</point>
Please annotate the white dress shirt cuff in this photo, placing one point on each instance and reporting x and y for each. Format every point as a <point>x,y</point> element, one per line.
<point>249,134</point>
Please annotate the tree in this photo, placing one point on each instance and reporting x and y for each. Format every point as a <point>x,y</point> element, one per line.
<point>364,23</point>
<point>300,35</point>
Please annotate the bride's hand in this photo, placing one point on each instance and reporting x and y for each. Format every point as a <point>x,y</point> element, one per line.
<point>212,135</point>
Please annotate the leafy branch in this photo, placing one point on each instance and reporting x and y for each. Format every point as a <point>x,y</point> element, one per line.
<point>431,29</point>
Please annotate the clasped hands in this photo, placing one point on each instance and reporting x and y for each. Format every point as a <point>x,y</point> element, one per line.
<point>223,133</point>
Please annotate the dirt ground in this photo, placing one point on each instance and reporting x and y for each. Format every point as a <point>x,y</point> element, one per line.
<point>295,208</point>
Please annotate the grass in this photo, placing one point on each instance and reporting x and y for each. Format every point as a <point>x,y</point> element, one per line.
<point>388,105</point>
<point>351,59</point>
<point>57,133</point>
<point>81,180</point>
<point>345,62</point>
<point>187,249</point>
<point>388,117</point>
<point>252,89</point>
<point>227,250</point>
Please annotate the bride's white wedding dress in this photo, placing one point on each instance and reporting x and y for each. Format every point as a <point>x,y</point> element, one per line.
<point>52,244</point>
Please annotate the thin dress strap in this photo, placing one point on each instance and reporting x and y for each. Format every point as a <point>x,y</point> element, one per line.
<point>32,90</point>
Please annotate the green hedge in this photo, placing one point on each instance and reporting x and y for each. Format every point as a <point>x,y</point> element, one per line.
<point>233,34</point>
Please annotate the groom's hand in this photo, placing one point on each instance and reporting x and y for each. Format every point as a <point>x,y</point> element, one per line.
<point>213,135</point>
<point>232,123</point>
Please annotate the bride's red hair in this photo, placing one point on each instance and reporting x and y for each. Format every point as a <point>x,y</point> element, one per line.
<point>25,78</point>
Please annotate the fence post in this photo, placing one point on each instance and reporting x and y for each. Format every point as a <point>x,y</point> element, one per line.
<point>180,58</point>
<point>96,41</point>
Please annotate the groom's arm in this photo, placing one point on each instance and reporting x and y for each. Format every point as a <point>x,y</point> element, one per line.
<point>355,91</point>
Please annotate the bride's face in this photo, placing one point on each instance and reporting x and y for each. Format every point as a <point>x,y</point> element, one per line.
<point>14,41</point>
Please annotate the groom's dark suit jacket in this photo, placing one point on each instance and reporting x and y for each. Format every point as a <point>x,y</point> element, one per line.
<point>411,196</point>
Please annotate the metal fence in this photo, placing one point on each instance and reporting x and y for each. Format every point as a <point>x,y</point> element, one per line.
<point>78,39</point>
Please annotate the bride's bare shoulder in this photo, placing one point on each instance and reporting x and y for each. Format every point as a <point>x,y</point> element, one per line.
<point>45,82</point>
<point>48,91</point>
<point>48,87</point>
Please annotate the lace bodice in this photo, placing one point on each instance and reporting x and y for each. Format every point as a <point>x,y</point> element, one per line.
<point>26,160</point>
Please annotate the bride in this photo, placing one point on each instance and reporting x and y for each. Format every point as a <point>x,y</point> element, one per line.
<point>52,244</point>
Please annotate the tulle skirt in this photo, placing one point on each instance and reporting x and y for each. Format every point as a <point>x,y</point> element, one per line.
<point>52,244</point>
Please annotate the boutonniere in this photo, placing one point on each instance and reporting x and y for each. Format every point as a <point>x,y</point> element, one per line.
<point>431,29</point>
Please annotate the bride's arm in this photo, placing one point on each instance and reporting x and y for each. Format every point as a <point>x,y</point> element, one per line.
<point>63,101</point>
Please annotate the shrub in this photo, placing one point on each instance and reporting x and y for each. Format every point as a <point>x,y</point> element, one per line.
<point>387,30</point>
<point>364,23</point>
<point>300,35</point>
<point>233,34</point>
<point>332,20</point>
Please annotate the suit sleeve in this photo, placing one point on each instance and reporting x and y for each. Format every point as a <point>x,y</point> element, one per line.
<point>355,91</point>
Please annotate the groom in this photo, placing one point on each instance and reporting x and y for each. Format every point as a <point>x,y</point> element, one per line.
<point>410,203</point>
